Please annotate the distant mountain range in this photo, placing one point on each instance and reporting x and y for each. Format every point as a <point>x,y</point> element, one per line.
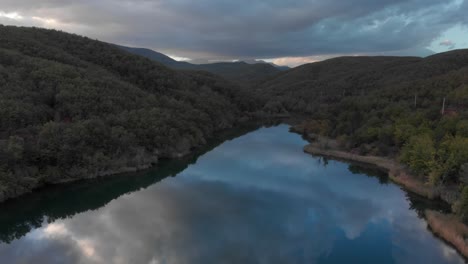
<point>240,72</point>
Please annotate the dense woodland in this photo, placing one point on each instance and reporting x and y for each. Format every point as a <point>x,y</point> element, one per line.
<point>72,107</point>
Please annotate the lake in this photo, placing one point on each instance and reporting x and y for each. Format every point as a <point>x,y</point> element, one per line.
<point>257,198</point>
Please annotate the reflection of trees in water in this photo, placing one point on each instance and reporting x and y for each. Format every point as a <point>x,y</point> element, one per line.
<point>420,204</point>
<point>323,161</point>
<point>417,203</point>
<point>370,171</point>
<point>19,216</point>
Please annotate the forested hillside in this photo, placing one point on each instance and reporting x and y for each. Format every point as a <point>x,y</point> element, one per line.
<point>388,106</point>
<point>243,73</point>
<point>72,107</point>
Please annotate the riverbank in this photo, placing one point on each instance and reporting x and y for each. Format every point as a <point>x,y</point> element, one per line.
<point>446,226</point>
<point>141,162</point>
<point>396,172</point>
<point>449,228</point>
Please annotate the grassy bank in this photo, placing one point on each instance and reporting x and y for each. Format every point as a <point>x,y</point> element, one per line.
<point>450,229</point>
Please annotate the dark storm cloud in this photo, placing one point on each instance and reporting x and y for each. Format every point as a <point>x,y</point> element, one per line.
<point>226,29</point>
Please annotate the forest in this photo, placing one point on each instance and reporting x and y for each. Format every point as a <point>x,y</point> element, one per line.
<point>72,108</point>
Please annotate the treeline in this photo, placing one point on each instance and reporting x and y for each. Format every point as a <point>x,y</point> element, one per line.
<point>389,106</point>
<point>72,107</point>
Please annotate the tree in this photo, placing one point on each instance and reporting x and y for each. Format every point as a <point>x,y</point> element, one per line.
<point>15,147</point>
<point>462,210</point>
<point>452,154</point>
<point>462,128</point>
<point>419,154</point>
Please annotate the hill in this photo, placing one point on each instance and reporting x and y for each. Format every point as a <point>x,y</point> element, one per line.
<point>72,107</point>
<point>240,72</point>
<point>159,57</point>
<point>412,109</point>
<point>305,87</point>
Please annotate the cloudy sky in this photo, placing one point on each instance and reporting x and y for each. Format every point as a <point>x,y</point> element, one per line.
<point>286,32</point>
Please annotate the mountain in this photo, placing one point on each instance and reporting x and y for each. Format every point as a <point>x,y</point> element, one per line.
<point>281,68</point>
<point>240,72</point>
<point>72,108</point>
<point>159,57</point>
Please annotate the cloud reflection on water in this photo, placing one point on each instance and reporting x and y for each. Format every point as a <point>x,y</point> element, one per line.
<point>256,199</point>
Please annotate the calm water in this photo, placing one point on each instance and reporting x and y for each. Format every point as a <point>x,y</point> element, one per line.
<point>255,199</point>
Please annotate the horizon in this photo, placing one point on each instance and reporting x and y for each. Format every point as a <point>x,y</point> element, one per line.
<point>283,33</point>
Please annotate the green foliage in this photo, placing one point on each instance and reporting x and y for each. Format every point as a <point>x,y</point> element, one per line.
<point>419,153</point>
<point>463,207</point>
<point>15,148</point>
<point>71,107</point>
<point>464,173</point>
<point>462,128</point>
<point>453,153</point>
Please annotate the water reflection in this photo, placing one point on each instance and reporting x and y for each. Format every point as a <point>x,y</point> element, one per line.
<point>256,199</point>
<point>19,216</point>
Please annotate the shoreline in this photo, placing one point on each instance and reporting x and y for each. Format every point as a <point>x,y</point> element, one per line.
<point>396,172</point>
<point>445,226</point>
<point>218,137</point>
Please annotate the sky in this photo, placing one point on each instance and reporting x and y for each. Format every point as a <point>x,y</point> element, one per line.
<point>284,32</point>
